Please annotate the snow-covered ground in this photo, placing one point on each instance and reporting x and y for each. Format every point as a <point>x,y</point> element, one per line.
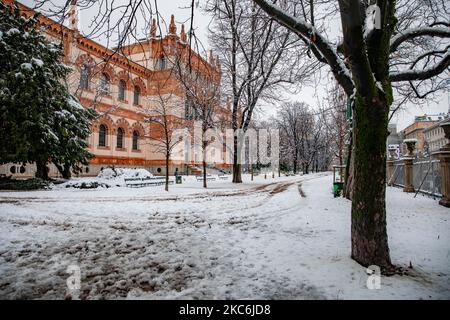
<point>283,238</point>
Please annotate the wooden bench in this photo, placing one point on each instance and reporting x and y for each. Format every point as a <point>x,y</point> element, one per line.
<point>144,182</point>
<point>208,177</point>
<point>223,177</point>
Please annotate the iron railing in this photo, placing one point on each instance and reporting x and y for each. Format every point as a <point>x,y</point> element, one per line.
<point>426,176</point>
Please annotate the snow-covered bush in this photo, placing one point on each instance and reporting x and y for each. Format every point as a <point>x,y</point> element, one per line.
<point>114,173</point>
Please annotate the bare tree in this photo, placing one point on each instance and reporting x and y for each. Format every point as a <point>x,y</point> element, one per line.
<point>302,135</point>
<point>164,123</point>
<point>289,122</point>
<point>201,82</point>
<point>335,122</point>
<point>257,61</point>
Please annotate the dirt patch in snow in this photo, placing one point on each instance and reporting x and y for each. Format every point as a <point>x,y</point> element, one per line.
<point>281,187</point>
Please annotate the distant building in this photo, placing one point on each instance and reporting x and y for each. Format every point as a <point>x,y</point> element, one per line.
<point>435,137</point>
<point>126,89</point>
<point>417,130</point>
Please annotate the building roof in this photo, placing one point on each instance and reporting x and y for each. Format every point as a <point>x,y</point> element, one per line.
<point>437,124</point>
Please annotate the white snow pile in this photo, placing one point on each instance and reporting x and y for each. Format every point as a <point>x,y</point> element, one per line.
<point>37,62</point>
<point>12,31</point>
<point>107,178</point>
<point>114,174</point>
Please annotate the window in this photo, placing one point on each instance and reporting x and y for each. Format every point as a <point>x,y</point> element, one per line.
<point>135,140</point>
<point>103,131</point>
<point>161,63</point>
<point>104,84</point>
<point>137,93</point>
<point>189,109</point>
<point>84,77</point>
<point>122,86</point>
<point>120,138</point>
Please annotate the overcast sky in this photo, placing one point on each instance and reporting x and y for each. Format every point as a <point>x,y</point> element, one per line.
<point>180,9</point>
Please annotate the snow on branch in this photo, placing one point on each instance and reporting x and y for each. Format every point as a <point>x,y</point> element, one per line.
<point>397,40</point>
<point>306,31</point>
<point>427,73</point>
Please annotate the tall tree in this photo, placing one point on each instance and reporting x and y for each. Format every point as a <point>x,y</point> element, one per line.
<point>201,83</point>
<point>302,134</point>
<point>39,118</point>
<point>164,123</point>
<point>257,61</point>
<point>362,66</point>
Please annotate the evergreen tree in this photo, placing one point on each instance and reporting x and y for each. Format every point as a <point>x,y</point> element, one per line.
<point>40,121</point>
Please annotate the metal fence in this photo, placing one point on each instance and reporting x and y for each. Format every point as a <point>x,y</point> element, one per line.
<point>398,175</point>
<point>426,176</point>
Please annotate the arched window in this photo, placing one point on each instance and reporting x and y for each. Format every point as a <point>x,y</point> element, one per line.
<point>161,63</point>
<point>189,109</point>
<point>103,131</point>
<point>122,86</point>
<point>104,84</point>
<point>84,77</point>
<point>135,140</point>
<point>137,93</point>
<point>120,138</point>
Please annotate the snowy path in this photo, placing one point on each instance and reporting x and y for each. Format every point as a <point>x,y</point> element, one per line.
<point>282,239</point>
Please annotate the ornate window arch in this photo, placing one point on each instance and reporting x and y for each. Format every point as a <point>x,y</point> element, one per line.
<point>137,82</point>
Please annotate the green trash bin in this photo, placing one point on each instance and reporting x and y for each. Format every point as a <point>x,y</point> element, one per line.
<point>178,179</point>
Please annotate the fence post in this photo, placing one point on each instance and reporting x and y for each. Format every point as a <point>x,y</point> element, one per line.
<point>408,175</point>
<point>390,167</point>
<point>444,157</point>
<point>408,161</point>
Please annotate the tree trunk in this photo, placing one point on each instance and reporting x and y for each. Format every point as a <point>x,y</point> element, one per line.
<point>167,172</point>
<point>204,167</point>
<point>41,170</point>
<point>237,177</point>
<point>295,165</point>
<point>251,171</point>
<point>64,170</point>
<point>348,190</point>
<point>368,232</point>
